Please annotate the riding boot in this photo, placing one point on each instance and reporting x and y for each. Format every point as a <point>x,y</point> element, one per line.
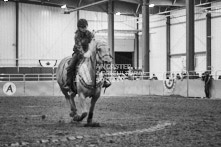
<point>107,83</point>
<point>71,71</point>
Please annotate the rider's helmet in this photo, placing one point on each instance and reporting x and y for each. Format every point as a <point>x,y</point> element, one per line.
<point>82,23</point>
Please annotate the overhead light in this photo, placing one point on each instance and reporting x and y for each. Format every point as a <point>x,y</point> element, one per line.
<point>118,13</point>
<point>151,5</point>
<point>5,0</point>
<point>64,6</point>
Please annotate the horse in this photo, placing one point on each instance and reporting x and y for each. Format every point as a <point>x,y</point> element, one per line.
<point>90,79</point>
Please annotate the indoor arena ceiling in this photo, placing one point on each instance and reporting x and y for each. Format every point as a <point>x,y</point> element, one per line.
<point>125,7</point>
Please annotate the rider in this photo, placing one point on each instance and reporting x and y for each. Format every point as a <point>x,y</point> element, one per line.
<point>82,39</point>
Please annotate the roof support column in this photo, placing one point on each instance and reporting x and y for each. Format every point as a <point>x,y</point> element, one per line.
<point>111,28</point>
<point>78,15</point>
<point>168,42</point>
<point>137,44</point>
<point>17,34</point>
<point>208,42</point>
<point>136,47</point>
<point>145,35</point>
<point>190,35</point>
<point>78,11</point>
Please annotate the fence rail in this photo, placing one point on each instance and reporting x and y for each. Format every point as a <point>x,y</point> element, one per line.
<point>112,76</point>
<point>27,77</point>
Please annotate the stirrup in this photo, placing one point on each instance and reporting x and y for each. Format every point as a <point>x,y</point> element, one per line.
<point>106,84</point>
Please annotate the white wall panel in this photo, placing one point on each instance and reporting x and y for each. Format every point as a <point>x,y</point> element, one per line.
<point>178,32</point>
<point>178,38</point>
<point>200,35</point>
<point>178,63</point>
<point>158,50</point>
<point>44,33</point>
<point>122,22</point>
<point>124,45</point>
<point>200,63</point>
<point>216,43</point>
<point>7,34</point>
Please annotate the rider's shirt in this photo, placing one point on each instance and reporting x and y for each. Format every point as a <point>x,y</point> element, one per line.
<point>82,39</point>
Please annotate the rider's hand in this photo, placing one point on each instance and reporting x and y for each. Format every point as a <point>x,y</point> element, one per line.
<point>87,54</point>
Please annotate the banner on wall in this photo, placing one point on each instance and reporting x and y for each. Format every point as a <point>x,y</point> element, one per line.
<point>169,84</point>
<point>47,62</point>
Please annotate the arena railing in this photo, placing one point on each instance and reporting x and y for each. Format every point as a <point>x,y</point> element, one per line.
<point>112,76</point>
<point>163,75</point>
<point>27,77</point>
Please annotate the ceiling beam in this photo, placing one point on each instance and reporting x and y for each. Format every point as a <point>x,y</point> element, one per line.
<point>168,2</point>
<point>131,1</point>
<point>86,6</point>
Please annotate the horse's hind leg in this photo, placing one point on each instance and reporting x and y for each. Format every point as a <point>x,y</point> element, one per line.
<point>73,105</point>
<point>70,99</point>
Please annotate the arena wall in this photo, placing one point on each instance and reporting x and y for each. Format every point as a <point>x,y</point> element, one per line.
<point>186,88</point>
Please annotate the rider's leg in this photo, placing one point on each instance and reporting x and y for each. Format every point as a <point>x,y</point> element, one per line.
<point>71,70</point>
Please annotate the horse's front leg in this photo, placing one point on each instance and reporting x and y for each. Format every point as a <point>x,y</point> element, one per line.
<point>83,106</point>
<point>90,116</point>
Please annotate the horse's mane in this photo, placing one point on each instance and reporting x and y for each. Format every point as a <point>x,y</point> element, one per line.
<point>95,44</point>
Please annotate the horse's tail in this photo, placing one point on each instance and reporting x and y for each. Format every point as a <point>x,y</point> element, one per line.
<point>61,73</point>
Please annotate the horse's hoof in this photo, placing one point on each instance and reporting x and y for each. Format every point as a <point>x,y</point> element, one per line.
<point>83,115</point>
<point>79,118</point>
<point>92,125</point>
<point>76,117</point>
<point>72,114</point>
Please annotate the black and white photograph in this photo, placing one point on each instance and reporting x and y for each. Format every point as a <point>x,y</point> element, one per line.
<point>110,73</point>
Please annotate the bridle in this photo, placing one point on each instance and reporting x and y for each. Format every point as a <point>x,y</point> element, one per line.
<point>101,58</point>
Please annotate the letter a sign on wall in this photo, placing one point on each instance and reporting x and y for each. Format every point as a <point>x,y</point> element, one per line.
<point>9,88</point>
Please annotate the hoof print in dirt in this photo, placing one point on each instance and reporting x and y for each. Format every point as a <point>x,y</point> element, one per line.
<point>75,122</point>
<point>43,117</point>
<point>92,125</point>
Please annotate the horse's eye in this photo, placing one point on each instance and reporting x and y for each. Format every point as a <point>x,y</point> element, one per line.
<point>98,49</point>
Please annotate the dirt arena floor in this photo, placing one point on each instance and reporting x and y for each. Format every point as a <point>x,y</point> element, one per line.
<point>125,121</point>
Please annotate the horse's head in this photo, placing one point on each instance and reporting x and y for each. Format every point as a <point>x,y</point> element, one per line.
<point>103,52</point>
